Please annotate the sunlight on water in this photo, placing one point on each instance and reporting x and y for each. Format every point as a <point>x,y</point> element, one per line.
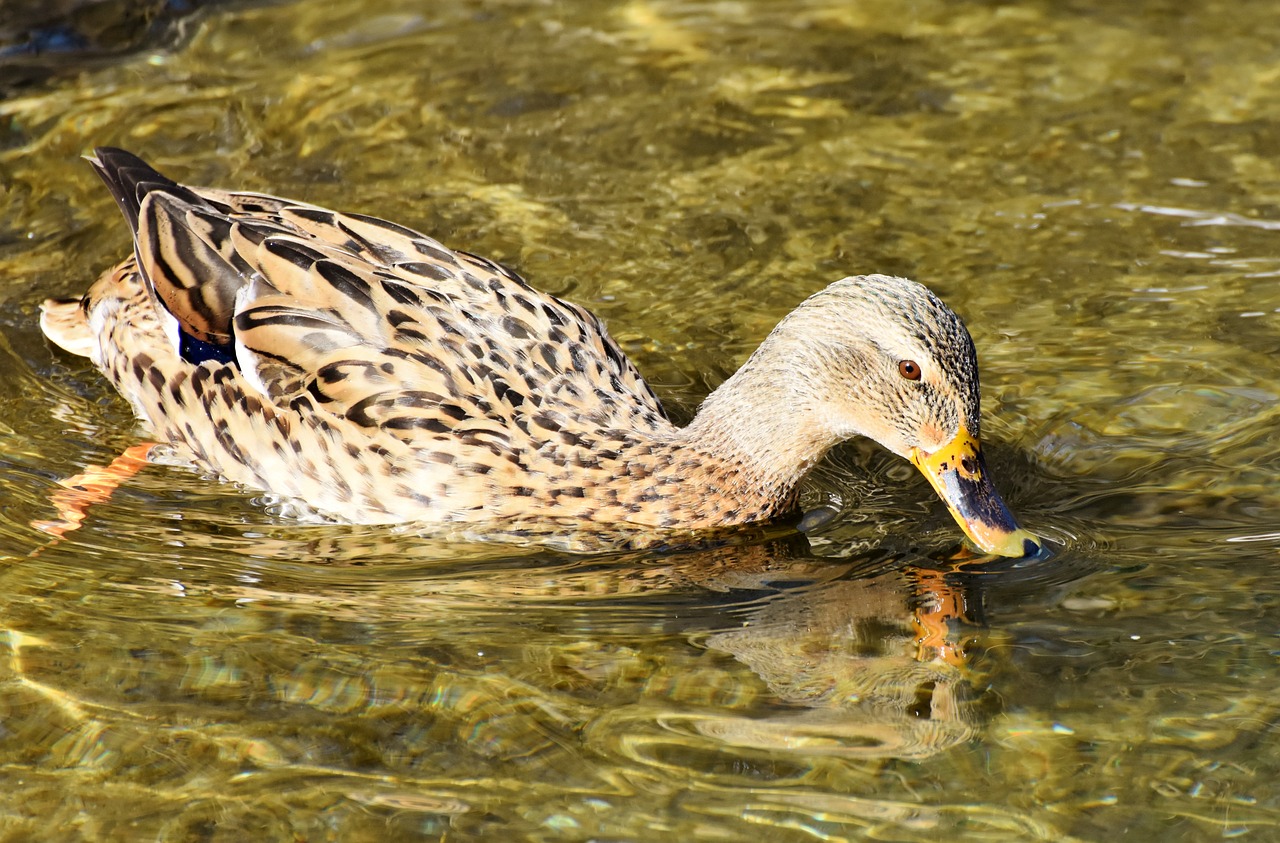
<point>1092,186</point>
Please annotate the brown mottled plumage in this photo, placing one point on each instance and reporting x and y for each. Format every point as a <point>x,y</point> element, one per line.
<point>379,377</point>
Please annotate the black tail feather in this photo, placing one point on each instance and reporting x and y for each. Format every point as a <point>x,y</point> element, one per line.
<point>130,179</point>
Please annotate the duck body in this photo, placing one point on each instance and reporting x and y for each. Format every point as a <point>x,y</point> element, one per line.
<point>377,376</point>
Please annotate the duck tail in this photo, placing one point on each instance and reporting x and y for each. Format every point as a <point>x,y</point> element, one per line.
<point>130,179</point>
<point>66,324</point>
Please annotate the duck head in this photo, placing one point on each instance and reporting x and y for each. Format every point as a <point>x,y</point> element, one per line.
<point>884,358</point>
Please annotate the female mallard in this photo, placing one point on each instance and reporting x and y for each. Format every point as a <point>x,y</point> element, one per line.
<point>375,375</point>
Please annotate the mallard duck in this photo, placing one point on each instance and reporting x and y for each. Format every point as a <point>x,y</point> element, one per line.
<point>375,375</point>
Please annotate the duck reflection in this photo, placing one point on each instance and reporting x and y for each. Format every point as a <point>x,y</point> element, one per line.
<point>862,656</point>
<point>867,665</point>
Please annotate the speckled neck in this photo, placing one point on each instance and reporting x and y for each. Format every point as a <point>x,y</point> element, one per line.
<point>763,424</point>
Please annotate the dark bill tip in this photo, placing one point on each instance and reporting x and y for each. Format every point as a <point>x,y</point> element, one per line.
<point>958,473</point>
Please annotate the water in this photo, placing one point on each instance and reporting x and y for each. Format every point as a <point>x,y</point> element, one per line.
<point>1092,185</point>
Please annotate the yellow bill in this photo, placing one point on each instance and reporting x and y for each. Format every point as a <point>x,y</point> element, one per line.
<point>958,474</point>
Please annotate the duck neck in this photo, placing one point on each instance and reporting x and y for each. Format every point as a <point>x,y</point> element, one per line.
<point>762,427</point>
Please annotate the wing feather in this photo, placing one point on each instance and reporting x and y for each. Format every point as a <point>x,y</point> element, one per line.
<point>369,320</point>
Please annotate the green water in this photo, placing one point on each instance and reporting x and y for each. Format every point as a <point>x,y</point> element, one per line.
<point>1092,185</point>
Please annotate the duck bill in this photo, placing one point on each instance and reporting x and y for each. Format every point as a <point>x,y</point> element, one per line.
<point>959,475</point>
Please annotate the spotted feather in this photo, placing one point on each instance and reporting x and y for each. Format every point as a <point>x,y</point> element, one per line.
<point>373,374</point>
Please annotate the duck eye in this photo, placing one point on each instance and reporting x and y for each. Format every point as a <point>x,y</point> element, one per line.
<point>909,369</point>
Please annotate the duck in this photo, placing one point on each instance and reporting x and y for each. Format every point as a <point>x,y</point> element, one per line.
<point>376,376</point>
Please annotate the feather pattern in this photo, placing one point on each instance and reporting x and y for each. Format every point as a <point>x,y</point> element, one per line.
<point>378,376</point>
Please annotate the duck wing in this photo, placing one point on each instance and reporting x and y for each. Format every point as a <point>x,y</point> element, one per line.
<point>370,320</point>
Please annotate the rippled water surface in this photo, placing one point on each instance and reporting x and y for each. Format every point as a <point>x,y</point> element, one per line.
<point>1093,185</point>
